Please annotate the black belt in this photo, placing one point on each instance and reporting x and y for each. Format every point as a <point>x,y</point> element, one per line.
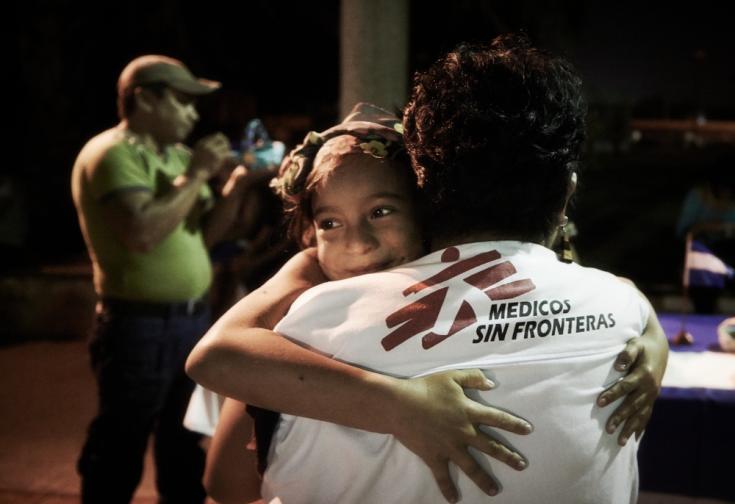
<point>154,309</point>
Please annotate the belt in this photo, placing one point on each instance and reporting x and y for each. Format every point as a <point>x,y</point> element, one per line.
<point>154,309</point>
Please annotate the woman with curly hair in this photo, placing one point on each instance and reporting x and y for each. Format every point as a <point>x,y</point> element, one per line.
<point>494,133</point>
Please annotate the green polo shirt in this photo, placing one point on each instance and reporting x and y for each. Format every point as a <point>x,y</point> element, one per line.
<point>177,268</point>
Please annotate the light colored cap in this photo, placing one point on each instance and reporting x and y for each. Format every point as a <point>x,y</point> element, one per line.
<point>155,68</point>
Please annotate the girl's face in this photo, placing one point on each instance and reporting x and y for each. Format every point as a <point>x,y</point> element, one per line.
<point>364,218</point>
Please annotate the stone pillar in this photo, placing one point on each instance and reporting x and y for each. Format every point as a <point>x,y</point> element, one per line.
<point>373,53</point>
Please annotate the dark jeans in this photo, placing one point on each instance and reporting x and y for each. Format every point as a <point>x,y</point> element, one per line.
<point>138,362</point>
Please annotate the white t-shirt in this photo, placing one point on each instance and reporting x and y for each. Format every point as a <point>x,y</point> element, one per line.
<point>202,414</point>
<point>546,332</point>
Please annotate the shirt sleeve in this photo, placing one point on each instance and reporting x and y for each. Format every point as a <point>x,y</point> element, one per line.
<point>119,169</point>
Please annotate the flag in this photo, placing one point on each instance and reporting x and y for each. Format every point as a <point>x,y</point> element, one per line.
<point>704,269</point>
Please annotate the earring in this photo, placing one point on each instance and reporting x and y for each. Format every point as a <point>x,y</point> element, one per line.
<point>567,255</point>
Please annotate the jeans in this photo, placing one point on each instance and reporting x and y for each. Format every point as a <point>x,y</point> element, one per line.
<point>138,362</point>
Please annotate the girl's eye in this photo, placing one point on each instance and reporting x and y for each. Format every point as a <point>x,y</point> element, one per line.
<point>381,212</point>
<point>327,224</point>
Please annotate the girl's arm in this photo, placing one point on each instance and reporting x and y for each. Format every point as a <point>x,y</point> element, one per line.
<point>230,475</point>
<point>645,358</point>
<point>430,415</point>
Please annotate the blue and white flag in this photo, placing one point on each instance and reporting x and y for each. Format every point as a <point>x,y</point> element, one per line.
<point>703,268</point>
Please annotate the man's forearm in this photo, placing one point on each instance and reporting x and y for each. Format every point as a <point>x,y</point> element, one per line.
<point>154,219</point>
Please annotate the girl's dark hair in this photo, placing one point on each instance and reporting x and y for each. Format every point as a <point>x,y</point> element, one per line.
<point>494,133</point>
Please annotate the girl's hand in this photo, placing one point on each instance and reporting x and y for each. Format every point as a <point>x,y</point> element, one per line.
<point>646,359</point>
<point>439,422</point>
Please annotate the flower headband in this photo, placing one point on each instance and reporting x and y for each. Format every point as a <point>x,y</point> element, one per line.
<point>367,129</point>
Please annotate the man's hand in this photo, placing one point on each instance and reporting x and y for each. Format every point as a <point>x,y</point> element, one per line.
<point>440,422</point>
<point>236,183</point>
<point>209,155</point>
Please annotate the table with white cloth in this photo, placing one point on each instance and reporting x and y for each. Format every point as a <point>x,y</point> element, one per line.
<point>689,445</point>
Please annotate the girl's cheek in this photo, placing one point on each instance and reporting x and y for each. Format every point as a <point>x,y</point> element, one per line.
<point>327,258</point>
<point>321,250</point>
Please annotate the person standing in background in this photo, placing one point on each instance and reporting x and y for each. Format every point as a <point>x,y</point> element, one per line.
<point>707,216</point>
<point>148,217</point>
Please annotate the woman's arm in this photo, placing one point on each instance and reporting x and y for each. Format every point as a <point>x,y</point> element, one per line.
<point>645,358</point>
<point>431,415</point>
<point>230,475</point>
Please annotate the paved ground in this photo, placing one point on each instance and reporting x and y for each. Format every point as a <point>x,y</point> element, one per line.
<point>47,398</point>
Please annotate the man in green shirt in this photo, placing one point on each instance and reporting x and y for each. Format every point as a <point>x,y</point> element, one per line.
<point>147,216</point>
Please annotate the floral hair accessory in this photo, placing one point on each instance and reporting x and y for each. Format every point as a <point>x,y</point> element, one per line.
<point>375,148</point>
<point>368,129</point>
<point>313,138</point>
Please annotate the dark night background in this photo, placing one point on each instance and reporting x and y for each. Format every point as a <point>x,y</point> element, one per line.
<point>279,60</point>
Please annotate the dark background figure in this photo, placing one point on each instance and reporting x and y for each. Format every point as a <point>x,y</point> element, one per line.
<point>255,247</point>
<point>13,222</point>
<point>708,216</point>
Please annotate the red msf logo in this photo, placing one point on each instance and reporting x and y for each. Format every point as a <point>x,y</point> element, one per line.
<point>422,314</point>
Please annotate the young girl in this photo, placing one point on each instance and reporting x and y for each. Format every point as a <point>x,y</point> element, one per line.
<point>350,192</point>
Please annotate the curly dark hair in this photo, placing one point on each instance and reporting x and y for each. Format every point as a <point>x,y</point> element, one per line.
<point>494,133</point>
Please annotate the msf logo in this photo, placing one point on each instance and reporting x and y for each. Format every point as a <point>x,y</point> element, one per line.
<point>422,314</point>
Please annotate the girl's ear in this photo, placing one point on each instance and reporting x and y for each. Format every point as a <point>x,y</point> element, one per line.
<point>308,237</point>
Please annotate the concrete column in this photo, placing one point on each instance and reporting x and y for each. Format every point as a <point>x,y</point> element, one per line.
<point>374,53</point>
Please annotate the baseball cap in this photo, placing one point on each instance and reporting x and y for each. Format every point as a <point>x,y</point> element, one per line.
<point>155,68</point>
